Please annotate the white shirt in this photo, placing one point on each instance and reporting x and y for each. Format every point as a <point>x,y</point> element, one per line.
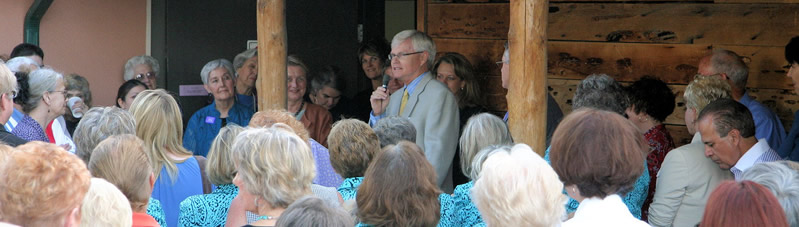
<point>610,211</point>
<point>760,152</point>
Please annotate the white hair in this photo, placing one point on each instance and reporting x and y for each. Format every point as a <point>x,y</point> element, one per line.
<point>15,64</point>
<point>420,42</point>
<point>39,82</point>
<point>519,188</point>
<point>105,205</point>
<point>138,60</point>
<point>212,65</point>
<point>781,178</point>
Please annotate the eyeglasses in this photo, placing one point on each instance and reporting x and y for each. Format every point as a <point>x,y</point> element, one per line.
<point>400,55</point>
<point>13,94</point>
<point>149,75</point>
<point>63,92</point>
<point>499,63</point>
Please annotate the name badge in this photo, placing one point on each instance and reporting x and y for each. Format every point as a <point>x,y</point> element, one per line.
<point>210,120</point>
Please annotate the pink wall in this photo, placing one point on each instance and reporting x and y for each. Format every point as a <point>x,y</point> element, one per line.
<point>92,38</point>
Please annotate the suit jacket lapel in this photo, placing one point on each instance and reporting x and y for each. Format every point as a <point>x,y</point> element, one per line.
<point>414,98</point>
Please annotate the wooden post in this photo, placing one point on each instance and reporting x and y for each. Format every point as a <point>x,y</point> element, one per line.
<point>527,100</point>
<point>271,82</point>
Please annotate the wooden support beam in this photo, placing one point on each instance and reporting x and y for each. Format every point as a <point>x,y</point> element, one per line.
<point>527,89</point>
<point>271,82</point>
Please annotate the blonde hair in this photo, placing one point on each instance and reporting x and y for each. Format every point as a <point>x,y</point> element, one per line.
<point>41,185</point>
<point>8,82</point>
<point>352,145</point>
<point>519,188</point>
<point>159,124</point>
<point>705,89</point>
<point>274,164</point>
<point>481,131</point>
<point>122,160</point>
<point>105,205</point>
<point>220,168</point>
<point>267,118</point>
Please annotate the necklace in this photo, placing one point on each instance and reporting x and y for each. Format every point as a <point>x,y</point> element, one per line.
<point>266,217</point>
<point>300,109</point>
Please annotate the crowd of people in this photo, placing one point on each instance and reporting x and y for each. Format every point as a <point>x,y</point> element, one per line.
<point>418,148</point>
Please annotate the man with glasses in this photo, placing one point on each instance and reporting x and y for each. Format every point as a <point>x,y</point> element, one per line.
<point>8,86</point>
<point>143,68</point>
<point>428,103</point>
<point>729,66</point>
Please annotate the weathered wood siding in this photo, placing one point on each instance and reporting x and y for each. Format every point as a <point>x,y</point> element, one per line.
<point>664,39</point>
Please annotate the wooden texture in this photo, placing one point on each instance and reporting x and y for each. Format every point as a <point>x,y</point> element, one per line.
<point>421,16</point>
<point>686,23</point>
<point>271,82</point>
<point>528,73</point>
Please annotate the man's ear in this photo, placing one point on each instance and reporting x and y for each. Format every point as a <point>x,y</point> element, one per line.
<point>425,57</point>
<point>735,136</point>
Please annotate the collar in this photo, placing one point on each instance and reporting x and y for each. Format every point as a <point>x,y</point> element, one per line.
<point>750,157</point>
<point>611,204</point>
<point>697,139</point>
<point>746,98</point>
<point>412,86</point>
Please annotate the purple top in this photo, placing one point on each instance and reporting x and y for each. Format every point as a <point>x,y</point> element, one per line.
<point>30,130</point>
<point>325,175</point>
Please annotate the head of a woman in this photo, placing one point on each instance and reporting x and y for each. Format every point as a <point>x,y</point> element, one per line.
<point>589,141</point>
<point>399,189</point>
<point>127,92</point>
<point>78,86</point>
<point>792,57</point>
<point>297,78</point>
<point>46,92</point>
<point>600,91</point>
<point>531,193</point>
<point>327,87</point>
<point>700,92</point>
<point>481,131</point>
<point>744,203</point>
<point>269,117</point>
<point>373,55</point>
<point>246,66</point>
<point>122,160</point>
<point>455,71</point>
<point>43,185</point>
<point>650,100</point>
<point>218,77</point>
<point>98,124</point>
<point>105,205</point>
<point>782,179</point>
<point>143,68</point>
<point>352,145</point>
<point>159,125</point>
<point>220,168</point>
<point>274,167</point>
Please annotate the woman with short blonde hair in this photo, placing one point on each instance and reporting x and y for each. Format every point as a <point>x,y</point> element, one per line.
<point>353,144</point>
<point>43,185</point>
<point>105,205</point>
<point>275,167</point>
<point>178,173</point>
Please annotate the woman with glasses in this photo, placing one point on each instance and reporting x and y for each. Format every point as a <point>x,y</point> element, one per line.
<point>46,101</point>
<point>142,68</point>
<point>77,86</point>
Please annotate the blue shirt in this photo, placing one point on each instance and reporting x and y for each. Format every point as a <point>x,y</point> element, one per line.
<point>325,174</point>
<point>204,125</point>
<point>188,182</point>
<point>246,100</point>
<point>209,209</point>
<point>154,209</point>
<point>349,188</point>
<point>409,87</point>
<point>466,213</point>
<point>12,122</point>
<point>634,199</point>
<point>767,125</point>
<point>789,150</point>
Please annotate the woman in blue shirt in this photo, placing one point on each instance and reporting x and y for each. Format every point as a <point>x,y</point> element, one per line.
<point>217,77</point>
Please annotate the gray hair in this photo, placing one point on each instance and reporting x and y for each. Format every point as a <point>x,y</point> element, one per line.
<point>98,124</point>
<point>481,131</point>
<point>781,178</point>
<point>242,57</point>
<point>330,76</point>
<point>212,65</point>
<point>15,64</point>
<point>294,60</point>
<point>480,157</point>
<point>600,91</point>
<point>312,211</point>
<point>507,50</point>
<point>420,42</point>
<point>391,130</point>
<point>39,82</point>
<point>728,62</point>
<point>138,60</point>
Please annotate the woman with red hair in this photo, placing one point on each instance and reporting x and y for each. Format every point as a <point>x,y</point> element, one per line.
<point>744,203</point>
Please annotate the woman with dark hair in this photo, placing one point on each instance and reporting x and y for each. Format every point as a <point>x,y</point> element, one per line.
<point>789,149</point>
<point>399,189</point>
<point>598,155</point>
<point>127,93</point>
<point>455,71</point>
<point>373,57</point>
<point>651,101</point>
<point>744,203</point>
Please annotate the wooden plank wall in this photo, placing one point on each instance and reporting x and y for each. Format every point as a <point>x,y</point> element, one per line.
<point>628,40</point>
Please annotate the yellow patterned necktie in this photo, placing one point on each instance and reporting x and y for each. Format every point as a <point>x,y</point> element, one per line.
<point>404,100</point>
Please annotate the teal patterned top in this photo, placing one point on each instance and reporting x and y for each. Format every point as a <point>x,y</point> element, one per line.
<point>466,213</point>
<point>208,209</point>
<point>154,209</point>
<point>349,187</point>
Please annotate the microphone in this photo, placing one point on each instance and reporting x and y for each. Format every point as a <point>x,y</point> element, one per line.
<point>386,79</point>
